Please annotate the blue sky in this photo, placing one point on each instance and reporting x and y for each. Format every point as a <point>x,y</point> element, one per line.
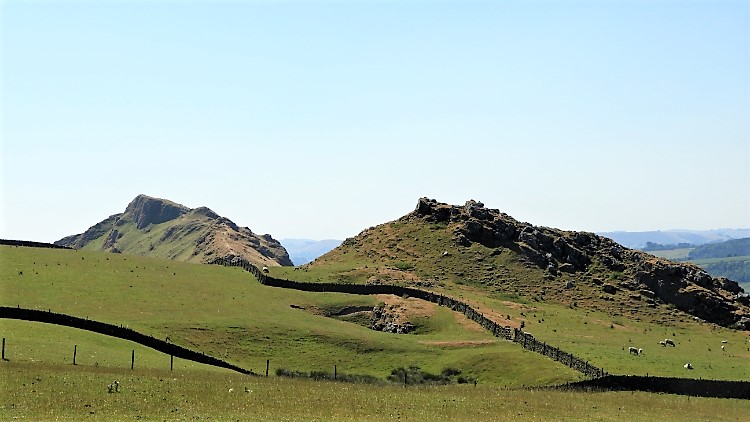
<point>314,119</point>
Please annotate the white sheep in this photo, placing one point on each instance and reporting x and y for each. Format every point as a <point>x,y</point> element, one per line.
<point>265,269</point>
<point>688,366</point>
<point>724,341</point>
<point>722,347</point>
<point>633,350</point>
<point>114,387</point>
<point>663,343</point>
<point>670,342</point>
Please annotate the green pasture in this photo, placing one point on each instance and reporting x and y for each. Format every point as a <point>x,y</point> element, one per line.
<point>706,261</point>
<point>47,344</point>
<point>150,241</point>
<point>681,253</point>
<point>602,338</point>
<point>35,391</point>
<point>226,313</point>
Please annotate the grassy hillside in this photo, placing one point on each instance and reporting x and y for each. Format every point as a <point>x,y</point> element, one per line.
<point>164,229</point>
<point>64,393</point>
<point>569,310</point>
<point>224,312</point>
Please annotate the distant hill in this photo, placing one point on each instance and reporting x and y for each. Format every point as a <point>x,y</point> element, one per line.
<point>161,228</point>
<point>730,259</point>
<point>728,249</point>
<point>639,240</point>
<point>302,251</point>
<point>469,249</point>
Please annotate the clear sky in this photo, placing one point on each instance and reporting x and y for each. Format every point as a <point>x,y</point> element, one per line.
<point>318,119</point>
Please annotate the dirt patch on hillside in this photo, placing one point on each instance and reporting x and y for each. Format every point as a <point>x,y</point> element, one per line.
<point>466,323</point>
<point>497,316</point>
<point>404,309</point>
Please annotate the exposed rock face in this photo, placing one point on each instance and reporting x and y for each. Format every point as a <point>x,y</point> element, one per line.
<point>145,210</point>
<point>686,286</point>
<point>157,227</point>
<point>386,320</point>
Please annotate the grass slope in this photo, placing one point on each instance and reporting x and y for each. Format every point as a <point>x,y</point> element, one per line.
<point>163,229</point>
<point>64,393</point>
<point>504,286</point>
<point>224,312</point>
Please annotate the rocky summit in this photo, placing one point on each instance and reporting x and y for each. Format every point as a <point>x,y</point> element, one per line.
<point>472,246</point>
<point>161,228</point>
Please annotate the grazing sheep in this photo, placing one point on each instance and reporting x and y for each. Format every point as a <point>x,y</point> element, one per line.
<point>722,347</point>
<point>114,387</point>
<point>724,341</point>
<point>670,342</point>
<point>634,350</point>
<point>688,366</point>
<point>663,343</point>
<point>265,269</point>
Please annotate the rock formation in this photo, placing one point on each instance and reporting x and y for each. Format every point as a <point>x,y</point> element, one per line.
<point>158,227</point>
<point>683,285</point>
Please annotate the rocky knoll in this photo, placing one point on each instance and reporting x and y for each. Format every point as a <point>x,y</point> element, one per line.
<point>158,227</point>
<point>595,258</point>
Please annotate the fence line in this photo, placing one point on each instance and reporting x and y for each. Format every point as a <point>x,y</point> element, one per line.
<point>526,340</point>
<point>25,243</point>
<point>670,385</point>
<point>119,332</point>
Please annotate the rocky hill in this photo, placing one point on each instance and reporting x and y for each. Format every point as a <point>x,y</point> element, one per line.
<point>471,247</point>
<point>158,227</point>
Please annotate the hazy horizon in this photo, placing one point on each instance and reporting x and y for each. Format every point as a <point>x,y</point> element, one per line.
<point>318,119</point>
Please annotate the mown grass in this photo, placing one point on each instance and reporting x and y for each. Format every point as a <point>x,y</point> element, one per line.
<point>225,313</point>
<point>63,392</point>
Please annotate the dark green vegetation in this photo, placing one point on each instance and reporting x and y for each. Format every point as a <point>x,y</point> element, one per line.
<point>728,249</point>
<point>730,259</point>
<point>161,228</point>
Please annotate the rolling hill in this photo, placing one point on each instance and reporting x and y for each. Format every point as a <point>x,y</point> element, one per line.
<point>639,240</point>
<point>161,228</point>
<point>483,253</point>
<point>225,313</point>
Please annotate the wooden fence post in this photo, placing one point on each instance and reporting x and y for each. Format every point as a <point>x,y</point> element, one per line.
<point>3,348</point>
<point>268,362</point>
<point>75,351</point>
<point>171,362</point>
<point>132,360</point>
<point>335,373</point>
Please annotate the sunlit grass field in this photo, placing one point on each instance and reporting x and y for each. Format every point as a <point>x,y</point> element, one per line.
<point>65,393</point>
<point>225,312</point>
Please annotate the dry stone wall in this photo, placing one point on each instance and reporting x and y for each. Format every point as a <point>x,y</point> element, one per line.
<point>116,331</point>
<point>513,334</point>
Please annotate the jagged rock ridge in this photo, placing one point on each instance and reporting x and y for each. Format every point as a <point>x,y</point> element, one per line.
<point>686,286</point>
<point>158,227</point>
